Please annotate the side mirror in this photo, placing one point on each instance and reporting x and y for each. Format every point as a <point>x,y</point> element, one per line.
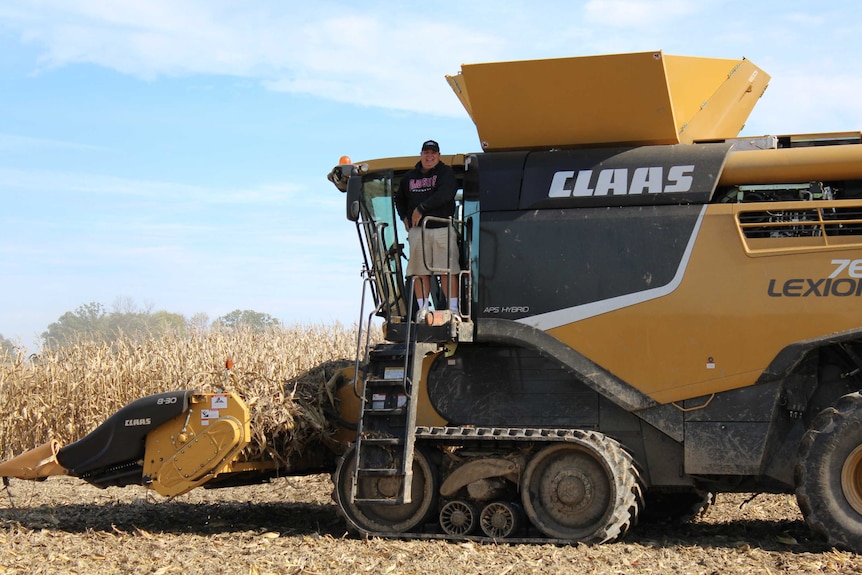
<point>354,193</point>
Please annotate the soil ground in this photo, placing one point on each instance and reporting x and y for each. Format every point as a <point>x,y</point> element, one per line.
<point>292,527</point>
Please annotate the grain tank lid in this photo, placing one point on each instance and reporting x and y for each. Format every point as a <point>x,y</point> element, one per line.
<point>639,99</point>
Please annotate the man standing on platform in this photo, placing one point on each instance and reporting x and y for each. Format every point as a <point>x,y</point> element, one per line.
<point>429,190</point>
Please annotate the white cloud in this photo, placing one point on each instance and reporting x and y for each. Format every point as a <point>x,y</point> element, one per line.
<point>344,54</point>
<point>10,143</point>
<point>808,103</point>
<point>60,183</point>
<point>393,56</point>
<point>196,245</point>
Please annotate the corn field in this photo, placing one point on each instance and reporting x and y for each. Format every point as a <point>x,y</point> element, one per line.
<point>292,525</point>
<point>281,372</point>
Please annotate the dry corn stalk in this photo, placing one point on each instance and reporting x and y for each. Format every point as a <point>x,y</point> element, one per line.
<point>64,394</point>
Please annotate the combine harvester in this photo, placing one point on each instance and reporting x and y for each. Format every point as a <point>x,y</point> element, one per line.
<point>653,310</point>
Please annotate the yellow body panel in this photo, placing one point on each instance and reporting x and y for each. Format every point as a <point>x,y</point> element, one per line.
<point>425,414</point>
<point>731,96</point>
<point>197,445</point>
<point>642,98</point>
<point>700,320</point>
<point>196,461</point>
<point>37,463</point>
<point>793,165</point>
<point>347,398</point>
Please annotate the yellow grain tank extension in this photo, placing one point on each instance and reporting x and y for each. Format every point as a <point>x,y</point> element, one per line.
<point>644,98</point>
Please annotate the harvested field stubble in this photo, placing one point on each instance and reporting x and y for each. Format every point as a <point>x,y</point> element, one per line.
<point>291,526</point>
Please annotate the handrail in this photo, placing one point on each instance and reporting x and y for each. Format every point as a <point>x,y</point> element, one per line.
<point>453,223</point>
<point>360,349</point>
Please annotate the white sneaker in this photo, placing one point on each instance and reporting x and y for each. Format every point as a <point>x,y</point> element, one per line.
<point>422,315</point>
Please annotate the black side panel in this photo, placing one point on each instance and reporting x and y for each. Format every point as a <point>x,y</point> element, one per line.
<point>606,384</point>
<point>499,179</point>
<point>121,437</point>
<point>509,387</point>
<point>728,434</point>
<point>546,260</point>
<point>647,175</point>
<point>713,448</point>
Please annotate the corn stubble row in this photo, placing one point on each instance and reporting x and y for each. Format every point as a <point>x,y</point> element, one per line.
<point>281,373</point>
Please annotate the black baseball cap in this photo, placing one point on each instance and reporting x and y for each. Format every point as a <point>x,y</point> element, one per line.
<point>431,145</point>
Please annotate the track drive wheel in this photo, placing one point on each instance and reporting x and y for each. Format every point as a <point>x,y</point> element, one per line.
<point>829,474</point>
<point>384,518</point>
<point>588,490</point>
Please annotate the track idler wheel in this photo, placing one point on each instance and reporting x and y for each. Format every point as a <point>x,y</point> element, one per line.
<point>500,519</point>
<point>458,518</point>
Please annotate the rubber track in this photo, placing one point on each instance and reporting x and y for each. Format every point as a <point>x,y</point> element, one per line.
<point>456,435</point>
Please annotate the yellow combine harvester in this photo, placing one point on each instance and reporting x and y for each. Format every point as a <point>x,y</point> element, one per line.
<point>653,310</point>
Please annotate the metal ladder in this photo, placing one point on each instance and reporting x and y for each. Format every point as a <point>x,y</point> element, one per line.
<point>386,428</point>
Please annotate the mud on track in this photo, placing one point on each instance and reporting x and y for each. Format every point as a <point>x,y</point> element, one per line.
<point>292,527</point>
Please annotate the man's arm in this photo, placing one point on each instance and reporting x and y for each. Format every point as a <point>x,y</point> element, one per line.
<point>401,199</point>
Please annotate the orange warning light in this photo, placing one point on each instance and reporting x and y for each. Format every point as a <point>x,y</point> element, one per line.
<point>344,160</point>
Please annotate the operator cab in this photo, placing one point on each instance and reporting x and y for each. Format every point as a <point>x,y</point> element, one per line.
<point>370,188</point>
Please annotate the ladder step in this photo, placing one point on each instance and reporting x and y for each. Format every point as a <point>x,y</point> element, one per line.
<point>387,422</point>
<point>381,441</point>
<point>387,411</point>
<point>383,383</point>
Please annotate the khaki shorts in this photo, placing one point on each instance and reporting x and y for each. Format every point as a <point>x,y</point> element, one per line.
<point>437,242</point>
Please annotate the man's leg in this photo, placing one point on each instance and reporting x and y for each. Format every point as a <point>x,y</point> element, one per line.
<point>450,290</point>
<point>420,280</point>
<point>422,289</point>
<point>452,279</point>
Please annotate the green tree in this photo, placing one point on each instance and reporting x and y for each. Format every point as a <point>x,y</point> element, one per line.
<point>164,321</point>
<point>88,321</point>
<point>91,322</point>
<point>199,322</point>
<point>7,347</point>
<point>247,318</point>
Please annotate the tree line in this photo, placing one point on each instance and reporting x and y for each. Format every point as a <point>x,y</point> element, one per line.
<point>94,322</point>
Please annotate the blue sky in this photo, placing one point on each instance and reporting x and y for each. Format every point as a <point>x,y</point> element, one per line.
<point>174,153</point>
